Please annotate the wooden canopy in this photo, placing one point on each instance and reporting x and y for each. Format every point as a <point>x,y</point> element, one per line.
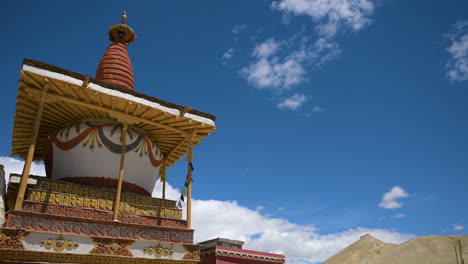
<point>69,97</point>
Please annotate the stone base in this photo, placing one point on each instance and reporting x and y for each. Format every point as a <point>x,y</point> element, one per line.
<point>25,256</point>
<point>20,245</point>
<point>62,222</point>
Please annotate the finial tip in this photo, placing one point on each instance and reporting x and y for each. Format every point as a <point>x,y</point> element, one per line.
<point>124,17</point>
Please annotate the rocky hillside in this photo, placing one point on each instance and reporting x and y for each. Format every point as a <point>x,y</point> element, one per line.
<point>421,250</point>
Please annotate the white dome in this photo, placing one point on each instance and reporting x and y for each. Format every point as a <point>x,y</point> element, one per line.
<point>88,152</point>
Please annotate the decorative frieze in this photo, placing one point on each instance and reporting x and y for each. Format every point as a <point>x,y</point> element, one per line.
<point>99,204</point>
<point>46,223</point>
<point>11,239</point>
<point>59,243</point>
<point>107,246</point>
<point>61,210</point>
<point>86,191</point>
<point>159,251</point>
<point>193,252</point>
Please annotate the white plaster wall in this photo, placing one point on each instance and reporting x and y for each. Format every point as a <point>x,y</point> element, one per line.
<point>85,245</point>
<point>138,249</point>
<point>83,161</point>
<point>33,242</point>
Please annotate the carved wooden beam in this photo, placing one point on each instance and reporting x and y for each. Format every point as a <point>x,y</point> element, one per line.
<point>115,112</point>
<point>185,110</point>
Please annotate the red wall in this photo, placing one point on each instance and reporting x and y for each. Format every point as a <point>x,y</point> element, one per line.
<point>230,260</point>
<point>208,260</point>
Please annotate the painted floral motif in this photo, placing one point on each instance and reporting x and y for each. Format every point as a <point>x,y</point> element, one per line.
<point>93,140</point>
<point>159,251</point>
<point>192,252</point>
<point>142,149</point>
<point>66,131</point>
<point>3,238</point>
<point>106,246</point>
<point>12,239</point>
<point>95,136</point>
<point>59,244</point>
<point>112,246</point>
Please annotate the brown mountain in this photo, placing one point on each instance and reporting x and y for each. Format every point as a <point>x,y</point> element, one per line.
<point>421,250</point>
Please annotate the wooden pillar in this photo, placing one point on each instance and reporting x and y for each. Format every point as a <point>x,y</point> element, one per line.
<point>121,174</point>
<point>189,183</point>
<point>32,148</point>
<point>163,179</point>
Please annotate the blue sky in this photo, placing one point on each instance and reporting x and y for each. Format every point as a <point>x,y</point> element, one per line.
<point>322,107</point>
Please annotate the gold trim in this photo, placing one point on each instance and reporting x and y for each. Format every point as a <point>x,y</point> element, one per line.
<point>92,192</point>
<point>59,244</point>
<point>158,251</point>
<point>100,204</point>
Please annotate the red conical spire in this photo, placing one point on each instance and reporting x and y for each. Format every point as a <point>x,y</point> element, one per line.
<point>115,66</point>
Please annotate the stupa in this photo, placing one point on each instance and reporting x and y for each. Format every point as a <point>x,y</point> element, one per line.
<point>104,146</point>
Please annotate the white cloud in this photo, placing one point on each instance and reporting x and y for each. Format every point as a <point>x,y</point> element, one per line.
<point>260,208</point>
<point>12,165</point>
<point>389,200</point>
<point>331,15</point>
<point>171,192</point>
<point>282,65</point>
<point>457,66</point>
<point>399,216</point>
<point>317,109</point>
<point>238,29</point>
<point>270,70</point>
<point>228,219</point>
<point>228,54</point>
<point>293,103</point>
<point>324,50</point>
<point>455,227</point>
<point>266,49</point>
